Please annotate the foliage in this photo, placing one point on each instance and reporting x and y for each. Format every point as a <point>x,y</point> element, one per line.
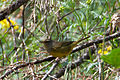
<point>113,58</point>
<point>62,20</point>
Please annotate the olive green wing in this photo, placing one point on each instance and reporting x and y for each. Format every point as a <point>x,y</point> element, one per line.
<point>61,44</point>
<point>66,43</point>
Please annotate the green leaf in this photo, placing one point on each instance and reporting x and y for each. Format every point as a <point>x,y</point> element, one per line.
<point>113,58</point>
<point>91,66</point>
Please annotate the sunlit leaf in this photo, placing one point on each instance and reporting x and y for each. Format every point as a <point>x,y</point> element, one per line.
<point>113,58</point>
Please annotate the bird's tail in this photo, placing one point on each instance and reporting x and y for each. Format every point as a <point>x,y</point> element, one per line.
<point>76,42</point>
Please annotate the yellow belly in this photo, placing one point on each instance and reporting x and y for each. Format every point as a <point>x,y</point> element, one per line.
<point>61,52</point>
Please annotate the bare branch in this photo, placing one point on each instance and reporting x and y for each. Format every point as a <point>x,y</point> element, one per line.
<point>51,69</point>
<point>78,62</point>
<point>10,9</point>
<point>68,14</point>
<point>24,65</point>
<point>97,41</point>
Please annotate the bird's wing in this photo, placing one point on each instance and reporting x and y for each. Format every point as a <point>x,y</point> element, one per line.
<point>61,45</point>
<point>67,43</point>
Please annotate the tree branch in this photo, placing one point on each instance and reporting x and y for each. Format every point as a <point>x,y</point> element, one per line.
<point>74,64</point>
<point>24,65</point>
<point>10,9</point>
<point>86,56</point>
<point>97,41</point>
<point>78,62</point>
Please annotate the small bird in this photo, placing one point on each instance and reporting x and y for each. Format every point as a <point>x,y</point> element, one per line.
<point>60,49</point>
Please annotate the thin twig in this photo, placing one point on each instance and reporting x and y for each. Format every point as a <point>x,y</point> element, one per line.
<point>2,52</point>
<point>51,69</point>
<point>5,33</point>
<point>24,65</point>
<point>23,27</point>
<point>46,65</point>
<point>99,61</point>
<point>13,31</point>
<point>74,64</point>
<point>14,39</point>
<point>29,35</point>
<point>78,62</point>
<point>97,41</point>
<point>68,14</point>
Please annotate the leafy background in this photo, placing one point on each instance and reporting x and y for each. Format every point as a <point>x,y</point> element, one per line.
<point>43,18</point>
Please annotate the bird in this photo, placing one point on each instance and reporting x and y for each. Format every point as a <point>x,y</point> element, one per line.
<point>60,48</point>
